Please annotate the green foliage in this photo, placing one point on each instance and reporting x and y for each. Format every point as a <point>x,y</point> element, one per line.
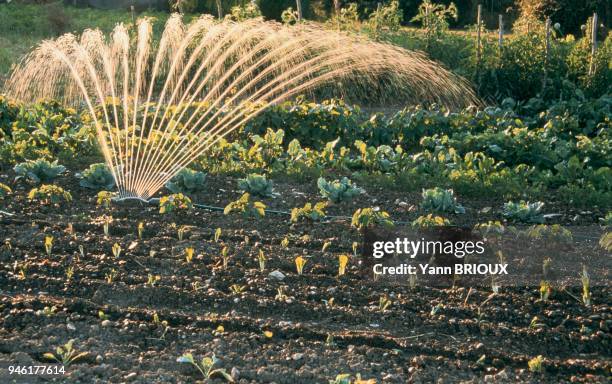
<point>289,16</point>
<point>97,176</point>
<point>104,199</point>
<point>257,185</point>
<point>371,217</point>
<point>187,181</point>
<point>246,207</point>
<point>524,212</point>
<point>430,221</point>
<point>206,366</point>
<point>243,12</point>
<point>39,171</point>
<point>386,18</point>
<point>309,212</point>
<point>174,202</point>
<point>338,190</point>
<point>550,234</point>
<point>440,200</point>
<point>65,354</point>
<point>50,194</point>
<point>4,191</point>
<point>434,18</point>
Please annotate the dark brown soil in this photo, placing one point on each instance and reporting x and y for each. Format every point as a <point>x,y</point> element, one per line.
<point>471,337</point>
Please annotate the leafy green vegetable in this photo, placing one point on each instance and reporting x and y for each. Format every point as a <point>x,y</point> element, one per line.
<point>50,194</point>
<point>370,217</point>
<point>246,207</point>
<point>256,185</point>
<point>309,212</point>
<point>440,200</point>
<point>98,176</point>
<point>338,190</point>
<point>39,171</point>
<point>524,212</point>
<point>187,181</point>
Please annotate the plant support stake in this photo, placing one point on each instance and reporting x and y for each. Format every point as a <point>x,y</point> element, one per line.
<point>500,38</point>
<point>298,4</point>
<point>593,43</point>
<point>546,53</point>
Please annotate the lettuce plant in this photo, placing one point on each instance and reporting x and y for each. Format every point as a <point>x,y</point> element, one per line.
<point>246,207</point>
<point>98,176</point>
<point>50,194</point>
<point>187,181</point>
<point>440,200</point>
<point>174,202</point>
<point>524,212</point>
<point>370,217</point>
<point>256,185</point>
<point>338,190</point>
<point>308,212</point>
<point>206,366</point>
<point>39,171</point>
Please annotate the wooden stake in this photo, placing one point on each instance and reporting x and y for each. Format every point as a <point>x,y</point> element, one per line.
<point>478,23</point>
<point>546,53</point>
<point>298,4</point>
<point>593,43</point>
<point>133,16</point>
<point>500,38</point>
<point>219,9</point>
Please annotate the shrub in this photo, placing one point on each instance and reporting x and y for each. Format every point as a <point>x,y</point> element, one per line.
<point>97,176</point>
<point>338,190</point>
<point>39,171</point>
<point>309,212</point>
<point>246,207</point>
<point>50,194</point>
<point>174,202</point>
<point>440,200</point>
<point>370,217</point>
<point>256,185</point>
<point>187,181</point>
<point>524,212</point>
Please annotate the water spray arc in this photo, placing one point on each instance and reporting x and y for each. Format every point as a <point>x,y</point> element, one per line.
<point>158,105</point>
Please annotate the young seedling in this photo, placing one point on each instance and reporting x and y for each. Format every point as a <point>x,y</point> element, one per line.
<point>225,256</point>
<point>104,199</point>
<point>116,250</point>
<point>217,234</point>
<point>152,279</point>
<point>546,266</point>
<point>110,276</point>
<point>181,232</point>
<point>586,287</point>
<point>299,264</point>
<point>23,270</point>
<point>140,230</point>
<point>81,251</point>
<point>262,261</point>
<point>103,316</point>
<point>325,246</point>
<point>47,311</point>
<point>285,243</point>
<point>342,263</point>
<point>65,354</point>
<point>280,294</point>
<point>545,290</point>
<point>535,364</point>
<point>189,254</point>
<point>195,286</point>
<point>237,289</point>
<point>355,247</point>
<point>268,334</point>
<point>69,274</point>
<point>383,303</point>
<point>206,366</point>
<point>106,225</point>
<point>48,245</point>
